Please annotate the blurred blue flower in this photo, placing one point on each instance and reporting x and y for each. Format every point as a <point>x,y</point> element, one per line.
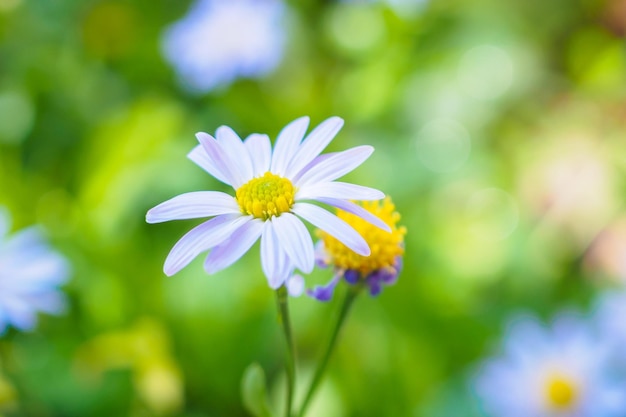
<point>610,317</point>
<point>30,272</point>
<point>565,370</point>
<point>219,41</point>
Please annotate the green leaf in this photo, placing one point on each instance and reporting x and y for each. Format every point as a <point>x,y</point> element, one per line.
<point>253,391</point>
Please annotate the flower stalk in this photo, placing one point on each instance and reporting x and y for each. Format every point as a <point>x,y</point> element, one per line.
<point>350,296</point>
<point>282,302</point>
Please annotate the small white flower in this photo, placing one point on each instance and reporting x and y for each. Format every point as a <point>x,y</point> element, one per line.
<point>30,272</point>
<point>271,193</point>
<point>220,41</point>
<point>562,371</point>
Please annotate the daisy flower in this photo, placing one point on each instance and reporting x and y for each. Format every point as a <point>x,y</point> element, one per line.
<point>562,371</point>
<point>219,41</point>
<point>30,272</point>
<point>272,190</point>
<point>385,262</point>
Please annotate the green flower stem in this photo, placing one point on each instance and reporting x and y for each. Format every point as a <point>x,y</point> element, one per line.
<point>350,296</point>
<point>282,299</point>
<point>4,357</point>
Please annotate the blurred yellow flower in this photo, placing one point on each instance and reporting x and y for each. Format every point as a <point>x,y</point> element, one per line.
<point>144,349</point>
<point>384,263</point>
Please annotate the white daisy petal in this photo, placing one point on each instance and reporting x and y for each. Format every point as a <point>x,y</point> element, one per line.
<point>357,210</point>
<point>287,268</point>
<point>269,254</point>
<point>295,285</point>
<point>338,190</point>
<point>234,248</point>
<point>287,144</point>
<point>274,260</point>
<point>260,151</point>
<point>295,240</point>
<point>201,238</point>
<point>192,206</point>
<point>316,161</point>
<point>234,147</point>
<point>322,259</point>
<point>314,144</point>
<point>201,158</point>
<point>329,167</point>
<point>220,159</point>
<point>332,225</point>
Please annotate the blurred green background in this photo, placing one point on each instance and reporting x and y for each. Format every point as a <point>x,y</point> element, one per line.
<point>499,133</point>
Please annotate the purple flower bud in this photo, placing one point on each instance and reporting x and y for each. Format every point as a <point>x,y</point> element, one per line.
<point>352,276</point>
<point>324,292</point>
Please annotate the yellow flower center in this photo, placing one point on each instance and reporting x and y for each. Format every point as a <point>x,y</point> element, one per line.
<point>266,196</point>
<point>385,246</point>
<point>561,392</point>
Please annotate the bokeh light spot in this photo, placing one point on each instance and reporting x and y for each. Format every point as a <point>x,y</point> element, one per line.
<point>408,8</point>
<point>16,116</point>
<point>443,145</point>
<point>109,29</point>
<point>9,5</point>
<point>494,214</point>
<point>356,29</point>
<point>485,72</point>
